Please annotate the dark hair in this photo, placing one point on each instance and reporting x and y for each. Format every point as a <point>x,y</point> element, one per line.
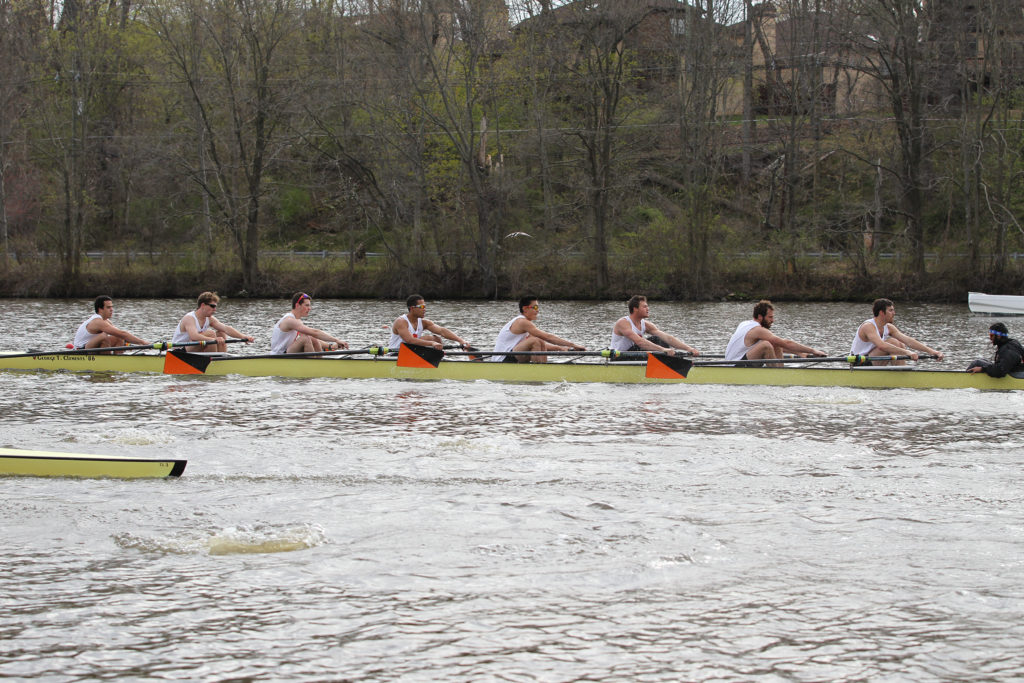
<point>99,302</point>
<point>526,301</point>
<point>999,329</point>
<point>299,296</point>
<point>635,301</point>
<point>411,301</point>
<point>762,307</point>
<point>207,298</point>
<point>880,306</point>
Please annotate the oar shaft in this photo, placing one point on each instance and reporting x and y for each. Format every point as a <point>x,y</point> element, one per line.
<point>851,359</point>
<point>605,353</point>
<point>370,351</point>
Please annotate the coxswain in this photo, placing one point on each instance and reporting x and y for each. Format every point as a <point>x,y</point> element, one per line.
<point>1009,356</point>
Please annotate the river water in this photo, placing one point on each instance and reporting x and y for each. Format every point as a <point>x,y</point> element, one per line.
<point>420,531</point>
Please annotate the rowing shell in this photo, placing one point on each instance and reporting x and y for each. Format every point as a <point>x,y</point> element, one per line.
<point>910,377</point>
<point>20,462</point>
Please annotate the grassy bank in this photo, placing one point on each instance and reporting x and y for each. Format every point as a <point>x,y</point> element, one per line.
<point>749,277</point>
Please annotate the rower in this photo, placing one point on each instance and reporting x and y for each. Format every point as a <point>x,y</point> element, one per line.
<point>628,332</point>
<point>409,328</point>
<point>878,336</point>
<point>201,325</point>
<point>521,335</point>
<point>290,335</point>
<point>753,339</point>
<point>97,332</point>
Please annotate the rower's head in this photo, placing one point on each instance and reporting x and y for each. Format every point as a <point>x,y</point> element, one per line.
<point>998,334</point>
<point>103,305</point>
<point>210,300</point>
<point>639,302</point>
<point>883,306</point>
<point>417,305</point>
<point>301,302</point>
<point>528,306</point>
<point>764,313</point>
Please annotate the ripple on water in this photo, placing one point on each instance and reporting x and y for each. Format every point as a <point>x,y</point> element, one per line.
<point>234,540</point>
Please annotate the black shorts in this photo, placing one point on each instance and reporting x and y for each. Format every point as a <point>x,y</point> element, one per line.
<point>510,359</point>
<point>751,364</point>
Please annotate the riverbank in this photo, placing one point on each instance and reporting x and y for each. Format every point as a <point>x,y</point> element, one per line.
<point>746,277</point>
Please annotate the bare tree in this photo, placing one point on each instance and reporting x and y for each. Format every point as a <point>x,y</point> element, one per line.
<point>21,25</point>
<point>233,59</point>
<point>892,39</point>
<point>443,52</point>
<point>597,96</point>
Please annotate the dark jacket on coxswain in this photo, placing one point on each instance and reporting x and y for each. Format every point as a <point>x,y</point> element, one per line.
<point>1009,358</point>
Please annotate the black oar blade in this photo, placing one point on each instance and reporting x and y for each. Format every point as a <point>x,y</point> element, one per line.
<point>180,362</point>
<point>417,356</point>
<point>663,366</point>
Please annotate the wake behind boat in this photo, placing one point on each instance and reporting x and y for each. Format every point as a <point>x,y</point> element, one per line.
<point>21,462</point>
<point>573,367</point>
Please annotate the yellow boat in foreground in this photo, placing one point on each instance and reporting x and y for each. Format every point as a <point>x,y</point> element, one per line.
<point>559,369</point>
<point>20,462</point>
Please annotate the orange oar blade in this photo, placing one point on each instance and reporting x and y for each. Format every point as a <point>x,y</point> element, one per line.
<point>661,366</point>
<point>417,356</point>
<point>180,362</point>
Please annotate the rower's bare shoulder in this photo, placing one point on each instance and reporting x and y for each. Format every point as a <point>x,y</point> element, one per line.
<point>522,325</point>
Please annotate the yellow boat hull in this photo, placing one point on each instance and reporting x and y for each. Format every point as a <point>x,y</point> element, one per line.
<point>20,462</point>
<point>909,377</point>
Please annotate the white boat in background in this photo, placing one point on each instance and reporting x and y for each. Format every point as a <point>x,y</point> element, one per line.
<point>995,304</point>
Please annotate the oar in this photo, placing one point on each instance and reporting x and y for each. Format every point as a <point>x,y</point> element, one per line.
<point>603,353</point>
<point>370,351</point>
<point>181,362</point>
<point>171,345</point>
<point>852,359</point>
<point>159,346</point>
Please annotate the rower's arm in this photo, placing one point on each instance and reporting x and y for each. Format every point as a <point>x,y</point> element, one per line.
<point>318,334</point>
<point>193,332</point>
<point>797,347</point>
<point>402,330</point>
<point>126,336</point>
<point>672,341</point>
<point>548,337</point>
<point>444,332</point>
<point>913,343</point>
<point>230,331</point>
<point>875,340</point>
<point>624,329</point>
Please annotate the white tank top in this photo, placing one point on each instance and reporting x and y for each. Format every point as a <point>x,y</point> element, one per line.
<point>861,347</point>
<point>84,336</point>
<point>396,340</point>
<point>279,339</point>
<point>620,343</point>
<point>737,347</point>
<point>506,340</point>
<point>181,336</point>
